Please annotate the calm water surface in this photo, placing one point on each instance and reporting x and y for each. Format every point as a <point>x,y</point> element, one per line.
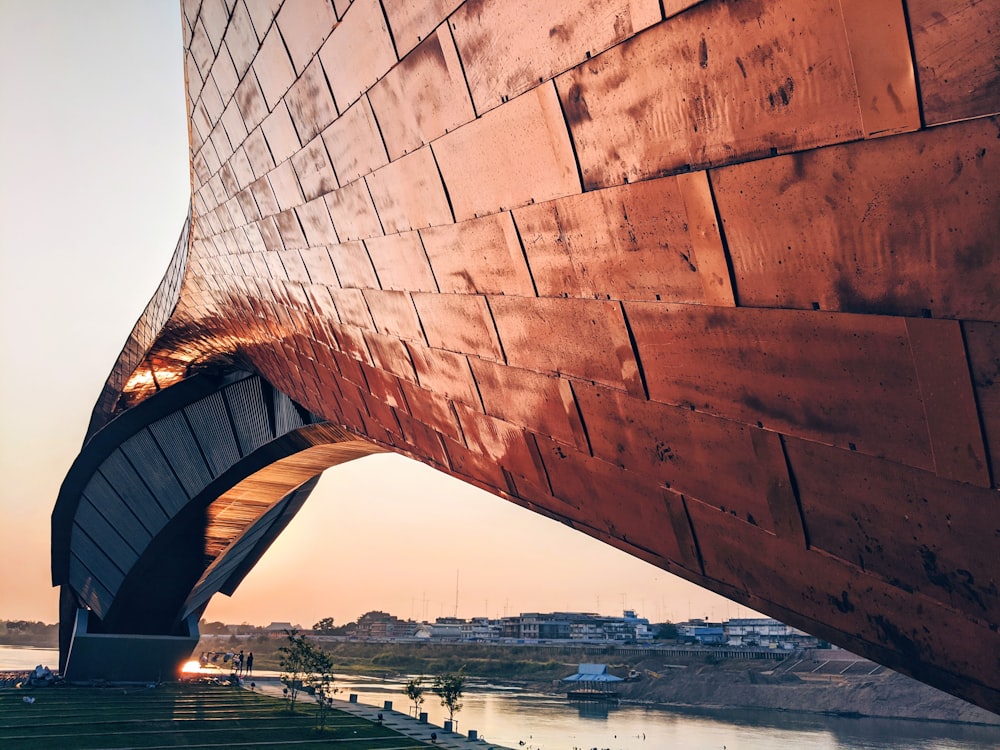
<point>510,717</point>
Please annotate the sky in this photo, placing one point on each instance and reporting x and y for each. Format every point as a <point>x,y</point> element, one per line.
<point>94,189</point>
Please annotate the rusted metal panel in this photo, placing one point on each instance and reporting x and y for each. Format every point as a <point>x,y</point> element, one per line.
<point>542,403</point>
<point>630,242</point>
<point>394,314</point>
<point>621,503</point>
<point>401,263</point>
<point>510,47</point>
<point>280,133</point>
<point>458,322</point>
<point>353,345</point>
<point>310,103</point>
<point>956,47</point>
<point>273,68</point>
<point>720,83</point>
<point>479,256</point>
<point>354,143</point>
<point>903,525</point>
<point>845,380</point>
<point>883,65</point>
<point>512,447</point>
<point>358,52</point>
<point>949,403</point>
<point>353,212</point>
<point>436,412</point>
<point>695,454</point>
<point>710,257</point>
<point>517,154</point>
<point>390,354</point>
<point>384,386</point>
<point>408,193</point>
<point>426,443</point>
<point>482,470</point>
<point>285,185</point>
<point>982,341</point>
<point>316,223</point>
<point>897,226</point>
<point>353,308</point>
<point>423,97</point>
<point>354,267</point>
<point>312,167</point>
<point>445,373</point>
<point>305,25</point>
<point>577,337</point>
<point>412,22</point>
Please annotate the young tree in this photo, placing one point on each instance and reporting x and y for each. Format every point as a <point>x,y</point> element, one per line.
<point>415,692</point>
<point>305,665</point>
<point>449,687</point>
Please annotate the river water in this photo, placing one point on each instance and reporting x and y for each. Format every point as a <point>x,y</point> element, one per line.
<point>543,722</point>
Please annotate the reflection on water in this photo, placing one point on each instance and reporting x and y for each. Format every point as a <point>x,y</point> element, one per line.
<point>509,717</point>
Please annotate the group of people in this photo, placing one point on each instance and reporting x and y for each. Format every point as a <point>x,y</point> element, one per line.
<point>243,665</point>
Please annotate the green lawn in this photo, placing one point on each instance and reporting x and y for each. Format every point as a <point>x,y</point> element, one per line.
<point>177,715</point>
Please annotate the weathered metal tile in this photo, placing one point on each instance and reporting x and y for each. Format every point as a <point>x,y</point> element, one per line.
<point>313,168</point>
<point>883,65</point>
<point>264,196</point>
<point>426,443</point>
<point>475,468</point>
<point>510,47</point>
<point>698,455</point>
<point>240,39</point>
<point>233,123</point>
<point>390,354</point>
<point>201,49</point>
<point>511,446</point>
<point>625,505</point>
<point>982,341</point>
<point>354,266</point>
<point>305,25</point>
<point>316,223</point>
<point>250,99</point>
<point>423,97</point>
<point>516,154</point>
<point>894,226</point>
<point>354,143</point>
<point>412,22</point>
<point>310,103</point>
<point>394,314</point>
<point>577,337</point>
<point>229,180</point>
<point>341,7</point>
<point>710,255</point>
<point>280,133</point>
<point>290,230</point>
<point>353,212</point>
<point>258,154</point>
<point>383,414</point>
<point>845,380</point>
<point>479,256</point>
<point>401,263</point>
<point>458,322</point>
<point>273,68</point>
<point>215,15</point>
<point>717,84</point>
<point>353,308</point>
<point>630,242</point>
<point>445,373</point>
<point>949,402</point>
<point>212,100</point>
<point>358,52</point>
<point>225,76</point>
<point>408,193</point>
<point>433,410</point>
<point>903,525</point>
<point>353,344</point>
<point>319,266</point>
<point>285,185</point>
<point>542,403</point>
<point>955,45</point>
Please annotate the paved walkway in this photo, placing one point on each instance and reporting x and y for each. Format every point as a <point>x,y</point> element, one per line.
<point>400,722</point>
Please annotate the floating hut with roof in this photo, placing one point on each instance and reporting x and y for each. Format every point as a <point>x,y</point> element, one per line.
<point>592,682</point>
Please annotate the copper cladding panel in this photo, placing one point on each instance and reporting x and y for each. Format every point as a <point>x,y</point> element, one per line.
<point>354,143</point>
<point>516,154</point>
<point>509,47</point>
<point>811,374</point>
<point>408,193</point>
<point>401,263</point>
<point>719,83</point>
<point>423,97</point>
<point>459,323</point>
<point>895,226</point>
<point>629,242</point>
<point>413,22</point>
<point>956,45</point>
<point>358,52</point>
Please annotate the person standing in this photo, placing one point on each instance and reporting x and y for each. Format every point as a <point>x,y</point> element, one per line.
<point>239,663</point>
<point>249,669</point>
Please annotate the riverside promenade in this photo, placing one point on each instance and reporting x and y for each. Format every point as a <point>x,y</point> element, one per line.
<point>392,719</point>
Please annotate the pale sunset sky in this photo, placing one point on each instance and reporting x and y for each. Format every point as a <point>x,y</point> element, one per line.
<point>94,188</point>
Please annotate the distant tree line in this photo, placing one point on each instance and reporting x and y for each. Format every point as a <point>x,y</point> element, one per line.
<point>28,633</point>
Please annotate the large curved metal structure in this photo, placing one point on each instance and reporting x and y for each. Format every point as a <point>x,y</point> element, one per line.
<point>714,282</point>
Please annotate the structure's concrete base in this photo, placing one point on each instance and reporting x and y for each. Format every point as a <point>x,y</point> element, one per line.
<point>126,658</point>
